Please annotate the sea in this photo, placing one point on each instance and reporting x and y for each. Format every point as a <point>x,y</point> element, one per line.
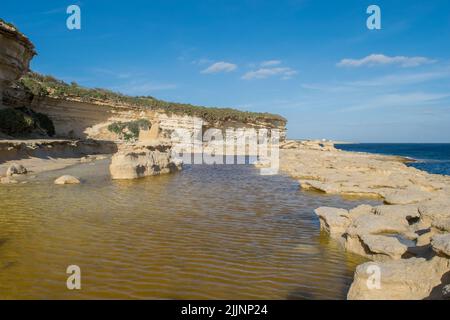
<point>430,157</point>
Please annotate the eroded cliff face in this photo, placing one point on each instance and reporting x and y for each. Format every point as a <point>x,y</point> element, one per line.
<point>142,160</point>
<point>76,119</point>
<point>16,52</point>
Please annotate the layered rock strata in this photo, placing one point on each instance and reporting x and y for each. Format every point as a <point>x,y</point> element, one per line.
<point>16,52</point>
<point>134,161</point>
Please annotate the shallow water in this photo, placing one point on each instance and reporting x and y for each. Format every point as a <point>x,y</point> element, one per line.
<point>208,232</point>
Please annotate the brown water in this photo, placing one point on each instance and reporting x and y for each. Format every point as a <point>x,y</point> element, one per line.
<point>208,232</point>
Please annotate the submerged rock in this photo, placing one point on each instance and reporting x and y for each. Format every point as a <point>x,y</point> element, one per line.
<point>67,179</point>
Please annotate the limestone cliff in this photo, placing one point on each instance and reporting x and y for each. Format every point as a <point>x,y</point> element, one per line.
<point>16,52</point>
<point>81,113</point>
<point>81,117</point>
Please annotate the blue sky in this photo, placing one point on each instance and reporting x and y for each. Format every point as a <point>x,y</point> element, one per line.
<point>314,62</point>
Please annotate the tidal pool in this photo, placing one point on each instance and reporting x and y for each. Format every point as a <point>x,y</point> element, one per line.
<point>207,232</point>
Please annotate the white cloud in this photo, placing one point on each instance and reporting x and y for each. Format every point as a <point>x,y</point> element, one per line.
<point>389,81</point>
<point>113,73</point>
<point>202,61</point>
<point>143,88</point>
<point>220,67</point>
<point>381,59</point>
<point>270,63</point>
<point>263,73</point>
<point>396,100</point>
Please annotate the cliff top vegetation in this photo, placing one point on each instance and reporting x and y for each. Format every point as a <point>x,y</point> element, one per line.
<point>45,85</point>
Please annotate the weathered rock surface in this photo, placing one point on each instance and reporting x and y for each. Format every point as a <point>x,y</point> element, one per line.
<point>333,220</point>
<point>436,212</point>
<point>377,237</point>
<point>383,245</point>
<point>441,244</point>
<point>15,169</point>
<point>67,179</point>
<point>414,278</point>
<point>8,180</point>
<point>348,173</point>
<point>141,160</point>
<point>16,51</point>
<point>404,235</point>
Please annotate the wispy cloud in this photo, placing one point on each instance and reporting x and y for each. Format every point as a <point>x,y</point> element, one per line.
<point>202,61</point>
<point>270,63</point>
<point>389,81</point>
<point>221,66</point>
<point>143,88</point>
<point>284,72</point>
<point>112,73</point>
<point>395,100</point>
<point>381,59</point>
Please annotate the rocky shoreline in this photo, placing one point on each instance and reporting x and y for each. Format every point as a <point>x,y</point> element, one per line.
<point>407,237</point>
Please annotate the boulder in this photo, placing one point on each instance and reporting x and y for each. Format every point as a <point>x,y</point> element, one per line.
<point>142,160</point>
<point>377,237</point>
<point>425,238</point>
<point>405,279</point>
<point>333,220</point>
<point>8,180</point>
<point>67,179</point>
<point>382,245</point>
<point>436,212</point>
<point>376,224</point>
<point>15,169</point>
<point>441,244</point>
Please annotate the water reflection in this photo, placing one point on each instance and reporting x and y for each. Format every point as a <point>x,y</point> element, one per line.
<point>208,232</point>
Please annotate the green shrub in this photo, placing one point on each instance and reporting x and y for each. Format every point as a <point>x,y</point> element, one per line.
<point>14,122</point>
<point>22,121</point>
<point>129,131</point>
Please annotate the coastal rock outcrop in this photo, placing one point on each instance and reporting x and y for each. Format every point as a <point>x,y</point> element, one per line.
<point>83,113</point>
<point>16,51</point>
<point>369,231</point>
<point>405,279</point>
<point>333,220</point>
<point>436,212</point>
<point>441,244</point>
<point>407,236</point>
<point>143,159</point>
